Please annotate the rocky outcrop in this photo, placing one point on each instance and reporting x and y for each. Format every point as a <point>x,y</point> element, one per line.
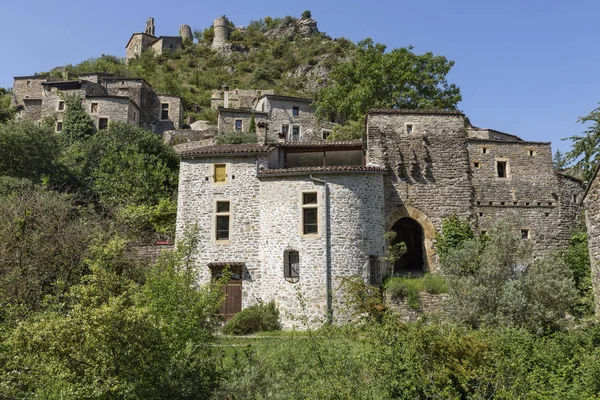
<point>301,27</point>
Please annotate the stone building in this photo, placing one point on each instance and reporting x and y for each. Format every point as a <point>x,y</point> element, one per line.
<point>105,97</point>
<point>303,215</point>
<point>142,41</point>
<point>288,118</point>
<point>591,204</point>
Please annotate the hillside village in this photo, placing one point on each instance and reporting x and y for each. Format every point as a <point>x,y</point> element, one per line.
<point>411,170</point>
<point>188,178</point>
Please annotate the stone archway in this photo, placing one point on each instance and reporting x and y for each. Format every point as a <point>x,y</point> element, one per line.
<point>427,227</point>
<point>412,262</point>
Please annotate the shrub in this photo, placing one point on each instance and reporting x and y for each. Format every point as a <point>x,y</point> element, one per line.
<point>256,318</point>
<point>236,138</point>
<point>410,288</point>
<point>434,284</point>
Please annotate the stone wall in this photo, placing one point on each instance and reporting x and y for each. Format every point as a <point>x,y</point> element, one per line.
<point>429,164</point>
<point>167,44</point>
<point>148,254</point>
<point>530,195</point>
<point>175,113</point>
<point>227,117</point>
<point>27,87</point>
<point>116,109</point>
<point>592,220</point>
<point>238,98</point>
<point>137,44</point>
<point>280,111</point>
<point>431,304</point>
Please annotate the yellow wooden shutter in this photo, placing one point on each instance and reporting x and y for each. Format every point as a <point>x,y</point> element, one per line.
<point>220,173</point>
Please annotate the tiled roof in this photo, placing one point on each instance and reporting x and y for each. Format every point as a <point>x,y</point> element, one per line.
<point>323,143</point>
<point>415,111</point>
<point>276,96</point>
<point>241,110</point>
<point>519,142</point>
<point>313,170</point>
<point>226,149</point>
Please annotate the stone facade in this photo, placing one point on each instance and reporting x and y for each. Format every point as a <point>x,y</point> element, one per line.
<point>140,42</point>
<point>221,33</point>
<point>236,98</point>
<point>591,202</point>
<point>414,169</point>
<point>288,119</point>
<point>431,304</point>
<point>105,97</point>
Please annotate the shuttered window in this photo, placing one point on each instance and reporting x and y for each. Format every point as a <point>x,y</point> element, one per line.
<point>220,172</point>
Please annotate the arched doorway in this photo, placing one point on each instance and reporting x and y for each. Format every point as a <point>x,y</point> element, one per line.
<point>410,232</point>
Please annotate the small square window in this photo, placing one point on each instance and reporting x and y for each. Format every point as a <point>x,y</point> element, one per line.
<point>28,83</point>
<point>102,123</point>
<point>295,111</point>
<point>61,105</point>
<point>481,214</point>
<point>526,203</point>
<point>326,133</point>
<point>59,126</point>
<point>409,129</point>
<point>222,206</point>
<point>476,164</point>
<point>309,198</point>
<point>94,108</point>
<point>531,152</point>
<point>524,233</point>
<point>164,111</point>
<point>238,125</point>
<point>484,150</point>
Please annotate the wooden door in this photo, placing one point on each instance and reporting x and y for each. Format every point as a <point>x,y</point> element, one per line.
<point>232,304</point>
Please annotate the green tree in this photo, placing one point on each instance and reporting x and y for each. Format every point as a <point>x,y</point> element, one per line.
<point>27,151</point>
<point>113,338</point>
<point>77,124</point>
<point>6,110</point>
<point>454,233</point>
<point>252,127</point>
<point>306,15</point>
<point>496,282</point>
<point>585,153</point>
<point>374,78</point>
<point>559,160</point>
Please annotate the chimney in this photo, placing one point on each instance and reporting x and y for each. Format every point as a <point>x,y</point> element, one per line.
<point>225,96</point>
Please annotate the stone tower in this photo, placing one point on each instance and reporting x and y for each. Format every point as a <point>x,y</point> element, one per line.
<point>185,32</point>
<point>221,28</point>
<point>150,26</point>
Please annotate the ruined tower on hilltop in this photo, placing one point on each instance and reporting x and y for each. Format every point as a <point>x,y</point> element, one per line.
<point>186,32</point>
<point>140,42</point>
<point>150,26</point>
<point>221,29</point>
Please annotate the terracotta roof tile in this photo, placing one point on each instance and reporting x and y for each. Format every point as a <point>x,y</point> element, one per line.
<point>332,169</point>
<point>226,149</point>
<point>323,143</point>
<point>415,111</point>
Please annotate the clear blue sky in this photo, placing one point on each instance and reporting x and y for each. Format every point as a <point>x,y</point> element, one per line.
<point>527,67</point>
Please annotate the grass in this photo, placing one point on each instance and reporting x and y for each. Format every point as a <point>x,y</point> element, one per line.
<point>410,288</point>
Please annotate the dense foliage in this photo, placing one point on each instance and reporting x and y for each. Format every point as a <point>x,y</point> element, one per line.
<point>584,155</point>
<point>254,319</point>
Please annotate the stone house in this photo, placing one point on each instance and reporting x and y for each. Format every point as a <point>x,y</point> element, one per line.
<point>591,203</point>
<point>287,118</point>
<point>142,41</point>
<point>105,97</point>
<point>292,216</point>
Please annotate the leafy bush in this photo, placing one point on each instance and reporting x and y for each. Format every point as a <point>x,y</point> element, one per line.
<point>236,138</point>
<point>253,319</point>
<point>454,233</point>
<point>410,288</point>
<point>576,256</point>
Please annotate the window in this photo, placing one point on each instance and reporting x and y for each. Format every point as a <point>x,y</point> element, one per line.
<point>28,83</point>
<point>61,105</point>
<point>164,111</point>
<point>326,133</point>
<point>310,214</point>
<point>295,133</point>
<point>295,111</point>
<point>476,164</point>
<point>502,169</point>
<point>135,116</point>
<point>531,152</point>
<point>59,126</point>
<point>238,124</point>
<point>285,128</point>
<point>374,271</point>
<point>409,129</point>
<point>574,197</point>
<point>102,123</point>
<point>94,109</point>
<point>484,150</point>
<point>291,265</point>
<point>222,220</point>
<point>220,173</point>
<point>524,233</point>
